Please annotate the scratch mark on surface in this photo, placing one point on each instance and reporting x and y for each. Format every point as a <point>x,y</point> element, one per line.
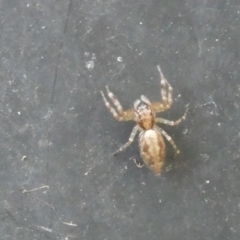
<point>49,205</point>
<point>211,102</point>
<point>19,223</point>
<point>34,189</point>
<point>60,53</point>
<point>200,44</point>
<point>51,103</point>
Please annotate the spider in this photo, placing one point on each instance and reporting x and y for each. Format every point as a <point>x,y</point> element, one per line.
<point>151,141</point>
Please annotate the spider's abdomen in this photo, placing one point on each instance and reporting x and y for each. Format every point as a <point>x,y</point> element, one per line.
<point>152,149</point>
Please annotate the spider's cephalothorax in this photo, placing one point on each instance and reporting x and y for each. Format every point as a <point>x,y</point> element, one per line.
<point>151,142</point>
<point>144,115</point>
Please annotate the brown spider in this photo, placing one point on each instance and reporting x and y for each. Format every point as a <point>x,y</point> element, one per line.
<point>151,142</point>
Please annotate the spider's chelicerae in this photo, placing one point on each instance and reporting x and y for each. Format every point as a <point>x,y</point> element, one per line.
<point>151,142</point>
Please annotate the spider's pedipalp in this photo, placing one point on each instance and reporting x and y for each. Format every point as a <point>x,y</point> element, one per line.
<point>136,103</point>
<point>145,100</point>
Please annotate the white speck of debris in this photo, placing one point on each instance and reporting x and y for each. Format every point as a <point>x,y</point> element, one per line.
<point>19,113</point>
<point>126,167</point>
<point>24,158</point>
<point>46,229</point>
<point>219,124</point>
<point>160,200</point>
<point>207,182</point>
<point>204,157</point>
<point>185,131</point>
<point>119,59</point>
<point>143,183</point>
<point>43,27</point>
<point>70,224</point>
<point>86,173</point>
<point>140,23</point>
<point>216,40</point>
<point>86,54</point>
<point>179,95</point>
<point>90,65</point>
<point>28,5</point>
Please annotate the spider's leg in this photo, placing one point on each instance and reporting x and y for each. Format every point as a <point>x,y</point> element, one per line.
<point>166,94</point>
<point>115,101</point>
<point>166,90</point>
<point>172,123</point>
<point>110,108</point>
<point>177,151</point>
<point>120,114</point>
<point>130,140</point>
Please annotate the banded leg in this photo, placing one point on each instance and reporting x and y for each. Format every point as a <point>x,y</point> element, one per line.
<point>115,101</point>
<point>120,115</point>
<point>177,151</point>
<point>166,94</point>
<point>130,140</point>
<point>172,123</point>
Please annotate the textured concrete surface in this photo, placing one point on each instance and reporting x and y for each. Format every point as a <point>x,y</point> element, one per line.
<point>58,179</point>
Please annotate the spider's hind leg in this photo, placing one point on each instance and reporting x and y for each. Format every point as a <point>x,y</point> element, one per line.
<point>177,151</point>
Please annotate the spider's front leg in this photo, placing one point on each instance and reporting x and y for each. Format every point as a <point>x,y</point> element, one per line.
<point>119,115</point>
<point>130,140</point>
<point>166,94</point>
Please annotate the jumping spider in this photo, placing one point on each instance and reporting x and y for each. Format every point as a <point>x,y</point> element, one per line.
<point>151,142</point>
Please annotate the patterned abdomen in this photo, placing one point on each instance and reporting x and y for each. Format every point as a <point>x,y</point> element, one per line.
<point>152,149</point>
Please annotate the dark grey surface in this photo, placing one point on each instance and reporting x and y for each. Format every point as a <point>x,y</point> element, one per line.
<point>57,134</point>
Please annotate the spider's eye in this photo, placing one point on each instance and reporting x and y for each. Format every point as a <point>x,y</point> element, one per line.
<point>142,107</point>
